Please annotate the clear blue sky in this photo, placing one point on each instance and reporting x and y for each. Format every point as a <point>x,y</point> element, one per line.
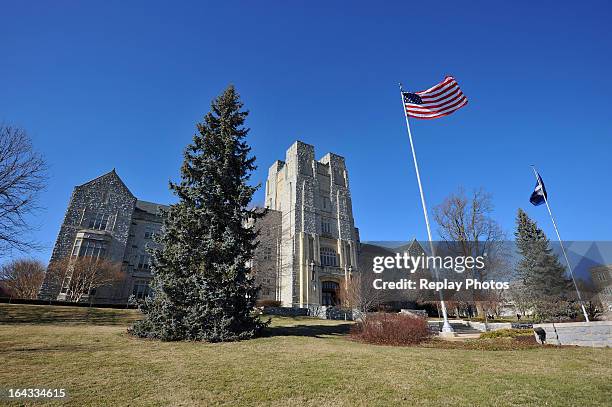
<point>122,84</point>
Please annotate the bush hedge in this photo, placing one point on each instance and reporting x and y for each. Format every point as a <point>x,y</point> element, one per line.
<point>391,329</point>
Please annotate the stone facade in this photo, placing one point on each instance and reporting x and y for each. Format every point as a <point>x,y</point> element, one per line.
<point>308,243</point>
<point>266,258</point>
<point>104,219</point>
<point>602,279</point>
<point>310,202</point>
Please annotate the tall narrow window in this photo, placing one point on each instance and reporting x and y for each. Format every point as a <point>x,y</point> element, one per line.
<point>326,203</point>
<point>326,227</point>
<point>144,262</point>
<point>77,247</point>
<point>267,255</point>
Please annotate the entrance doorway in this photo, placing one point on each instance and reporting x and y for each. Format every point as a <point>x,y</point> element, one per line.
<point>329,293</point>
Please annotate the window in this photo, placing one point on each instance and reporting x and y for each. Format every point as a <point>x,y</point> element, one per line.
<point>326,203</point>
<point>99,221</point>
<point>144,261</point>
<point>326,227</point>
<point>328,257</point>
<point>76,248</point>
<point>267,253</point>
<point>141,289</point>
<point>150,232</point>
<point>86,247</point>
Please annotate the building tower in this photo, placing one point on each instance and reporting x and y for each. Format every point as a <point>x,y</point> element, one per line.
<point>318,242</point>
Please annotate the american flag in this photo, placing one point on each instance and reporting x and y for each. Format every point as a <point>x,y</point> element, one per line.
<point>438,101</point>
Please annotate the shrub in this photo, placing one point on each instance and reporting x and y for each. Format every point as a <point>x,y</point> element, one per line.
<point>506,333</point>
<point>268,303</point>
<point>391,329</point>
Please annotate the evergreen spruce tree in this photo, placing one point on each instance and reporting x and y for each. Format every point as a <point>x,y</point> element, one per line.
<point>539,269</point>
<point>201,282</point>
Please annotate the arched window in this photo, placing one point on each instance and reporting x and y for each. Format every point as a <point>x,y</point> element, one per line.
<point>329,257</point>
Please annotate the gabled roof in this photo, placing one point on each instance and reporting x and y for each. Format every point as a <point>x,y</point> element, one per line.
<point>112,173</point>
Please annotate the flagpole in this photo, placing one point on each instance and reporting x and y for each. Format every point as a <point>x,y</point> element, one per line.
<point>446,326</point>
<point>586,316</point>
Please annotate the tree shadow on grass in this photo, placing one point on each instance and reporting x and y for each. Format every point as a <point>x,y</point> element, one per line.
<point>45,315</point>
<point>63,348</point>
<point>314,331</point>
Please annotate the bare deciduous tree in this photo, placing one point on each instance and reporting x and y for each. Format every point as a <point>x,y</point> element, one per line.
<point>467,226</point>
<point>22,177</point>
<point>359,293</point>
<point>79,276</point>
<point>468,221</point>
<point>520,298</point>
<point>22,278</point>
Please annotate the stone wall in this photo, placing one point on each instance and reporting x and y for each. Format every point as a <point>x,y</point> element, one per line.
<point>106,195</point>
<point>419,313</point>
<point>592,334</point>
<point>334,313</point>
<point>266,259</point>
<point>286,311</point>
<point>146,223</point>
<point>490,326</point>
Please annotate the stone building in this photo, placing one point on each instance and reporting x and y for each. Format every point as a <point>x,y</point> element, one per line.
<point>266,259</point>
<point>308,243</point>
<point>105,220</point>
<point>602,279</point>
<point>312,243</point>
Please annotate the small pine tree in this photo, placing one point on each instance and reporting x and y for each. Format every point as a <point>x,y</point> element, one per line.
<point>202,285</point>
<point>539,269</point>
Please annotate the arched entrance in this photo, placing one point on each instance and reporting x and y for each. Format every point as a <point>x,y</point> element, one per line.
<point>329,293</point>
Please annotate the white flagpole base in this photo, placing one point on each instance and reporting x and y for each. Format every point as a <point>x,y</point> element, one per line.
<point>586,316</point>
<point>447,330</point>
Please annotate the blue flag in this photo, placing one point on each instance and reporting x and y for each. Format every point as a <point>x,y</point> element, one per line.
<point>539,196</point>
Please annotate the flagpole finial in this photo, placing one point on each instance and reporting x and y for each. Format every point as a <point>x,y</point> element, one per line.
<point>400,86</point>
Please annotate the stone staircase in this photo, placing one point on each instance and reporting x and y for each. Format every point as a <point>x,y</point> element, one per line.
<point>462,330</point>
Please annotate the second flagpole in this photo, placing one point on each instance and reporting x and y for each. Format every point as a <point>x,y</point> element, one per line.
<point>446,327</point>
<point>569,266</point>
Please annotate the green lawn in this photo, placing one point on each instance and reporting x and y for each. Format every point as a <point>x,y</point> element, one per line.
<point>301,361</point>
